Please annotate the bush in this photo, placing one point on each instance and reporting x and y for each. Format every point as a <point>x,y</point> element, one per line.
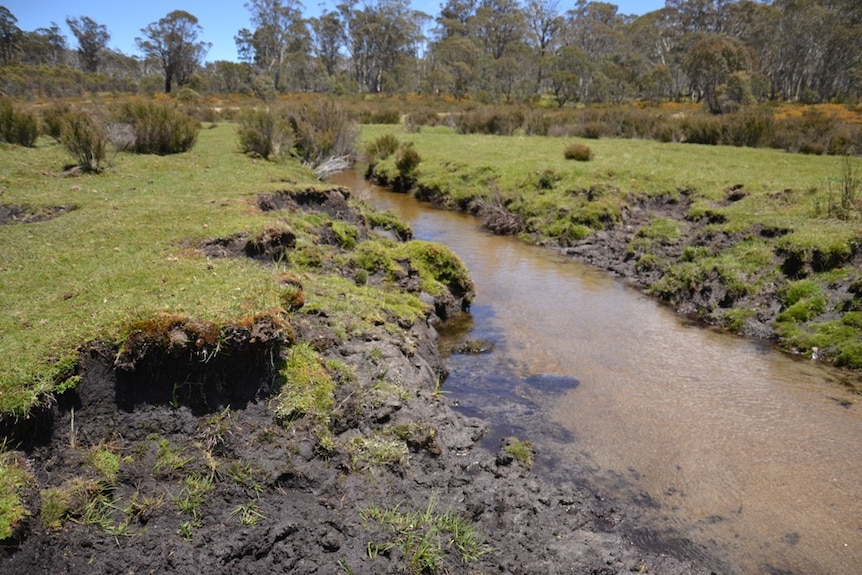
<point>407,162</point>
<point>159,128</point>
<point>382,148</point>
<point>702,131</point>
<point>86,139</point>
<point>323,130</point>
<point>578,152</point>
<point>264,133</point>
<point>53,118</point>
<point>17,126</point>
<point>595,130</point>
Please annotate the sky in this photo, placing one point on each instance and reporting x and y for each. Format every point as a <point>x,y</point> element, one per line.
<point>220,19</point>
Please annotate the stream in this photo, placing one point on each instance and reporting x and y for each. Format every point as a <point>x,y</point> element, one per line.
<point>716,446</point>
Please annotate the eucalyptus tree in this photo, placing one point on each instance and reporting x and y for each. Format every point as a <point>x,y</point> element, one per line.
<point>712,63</point>
<point>10,35</point>
<point>92,40</point>
<point>327,39</point>
<point>383,39</point>
<point>173,42</point>
<point>44,46</point>
<point>280,38</point>
<point>544,23</point>
<point>501,27</point>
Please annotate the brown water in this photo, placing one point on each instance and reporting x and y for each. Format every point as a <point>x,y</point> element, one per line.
<point>753,456</point>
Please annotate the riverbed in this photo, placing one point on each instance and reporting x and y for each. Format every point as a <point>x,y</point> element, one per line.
<point>717,446</point>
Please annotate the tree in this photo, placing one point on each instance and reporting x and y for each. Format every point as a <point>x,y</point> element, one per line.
<point>43,46</point>
<point>280,32</point>
<point>711,62</point>
<point>173,41</point>
<point>327,40</point>
<point>92,39</point>
<point>382,39</point>
<point>10,35</point>
<point>544,24</point>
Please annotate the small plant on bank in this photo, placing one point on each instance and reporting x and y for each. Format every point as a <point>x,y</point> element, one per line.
<point>521,451</point>
<point>14,478</point>
<point>578,152</point>
<point>381,148</point>
<point>424,537</point>
<point>407,161</point>
<point>86,139</point>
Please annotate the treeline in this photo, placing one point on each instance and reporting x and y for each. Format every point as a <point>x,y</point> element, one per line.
<point>723,53</point>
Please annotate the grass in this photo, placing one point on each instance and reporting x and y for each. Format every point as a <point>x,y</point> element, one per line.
<point>784,217</point>
<point>424,537</point>
<point>121,255</point>
<point>14,479</point>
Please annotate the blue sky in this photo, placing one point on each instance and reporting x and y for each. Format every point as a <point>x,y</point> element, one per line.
<point>220,20</point>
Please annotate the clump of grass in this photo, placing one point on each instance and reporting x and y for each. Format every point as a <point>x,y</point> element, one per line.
<point>578,152</point>
<point>521,451</point>
<point>369,452</point>
<point>424,537</point>
<point>14,480</point>
<point>308,391</point>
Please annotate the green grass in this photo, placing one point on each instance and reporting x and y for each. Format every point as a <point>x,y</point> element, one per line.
<point>122,253</point>
<point>778,225</point>
<point>424,537</point>
<point>14,479</point>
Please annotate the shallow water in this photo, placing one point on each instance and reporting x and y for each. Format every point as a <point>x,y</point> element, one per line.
<point>753,456</point>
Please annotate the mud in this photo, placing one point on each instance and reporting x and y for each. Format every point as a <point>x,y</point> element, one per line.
<point>191,412</point>
<point>27,214</point>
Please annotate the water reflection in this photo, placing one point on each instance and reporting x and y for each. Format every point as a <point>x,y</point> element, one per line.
<point>738,447</point>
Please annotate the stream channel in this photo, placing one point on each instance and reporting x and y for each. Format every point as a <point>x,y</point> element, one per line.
<point>716,446</point>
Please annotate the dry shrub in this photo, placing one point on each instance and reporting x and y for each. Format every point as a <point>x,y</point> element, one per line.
<point>578,152</point>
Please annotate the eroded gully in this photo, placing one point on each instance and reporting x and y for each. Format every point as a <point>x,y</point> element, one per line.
<point>718,446</point>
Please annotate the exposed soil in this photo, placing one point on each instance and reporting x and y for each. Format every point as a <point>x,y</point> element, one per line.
<point>27,214</point>
<point>187,412</point>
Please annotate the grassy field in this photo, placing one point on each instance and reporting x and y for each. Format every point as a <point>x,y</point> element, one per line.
<point>767,224</point>
<point>118,254</point>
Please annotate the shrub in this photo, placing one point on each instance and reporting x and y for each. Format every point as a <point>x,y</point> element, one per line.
<point>52,119</point>
<point>702,131</point>
<point>489,120</point>
<point>159,128</point>
<point>578,152</point>
<point>86,139</point>
<point>595,130</point>
<point>264,133</point>
<point>752,128</point>
<point>17,126</point>
<point>382,147</point>
<point>407,161</point>
<point>323,130</point>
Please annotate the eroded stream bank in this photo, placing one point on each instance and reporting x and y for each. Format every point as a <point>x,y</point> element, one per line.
<point>748,453</point>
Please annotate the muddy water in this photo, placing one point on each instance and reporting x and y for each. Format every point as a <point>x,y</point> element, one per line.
<point>753,456</point>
